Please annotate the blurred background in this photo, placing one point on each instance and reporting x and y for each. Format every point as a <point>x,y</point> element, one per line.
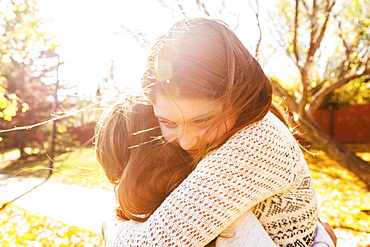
<point>63,61</point>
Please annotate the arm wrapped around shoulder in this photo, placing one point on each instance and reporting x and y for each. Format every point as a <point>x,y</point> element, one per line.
<point>259,168</point>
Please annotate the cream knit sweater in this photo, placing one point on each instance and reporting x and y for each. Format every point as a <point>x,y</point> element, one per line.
<point>260,168</point>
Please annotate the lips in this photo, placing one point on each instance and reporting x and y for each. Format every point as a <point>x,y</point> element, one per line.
<point>192,152</point>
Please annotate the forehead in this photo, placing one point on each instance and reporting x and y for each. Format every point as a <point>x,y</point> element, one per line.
<point>185,109</point>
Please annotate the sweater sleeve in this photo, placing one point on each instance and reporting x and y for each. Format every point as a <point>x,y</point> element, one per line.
<point>254,164</point>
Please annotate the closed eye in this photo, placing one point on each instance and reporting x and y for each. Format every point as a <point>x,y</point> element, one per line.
<point>202,121</point>
<point>168,124</point>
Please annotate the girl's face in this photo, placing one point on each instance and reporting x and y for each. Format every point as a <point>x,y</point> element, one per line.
<point>184,121</point>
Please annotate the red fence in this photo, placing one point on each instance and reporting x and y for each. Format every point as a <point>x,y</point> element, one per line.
<point>83,134</point>
<point>350,124</point>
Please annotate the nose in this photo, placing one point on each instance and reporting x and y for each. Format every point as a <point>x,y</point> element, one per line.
<point>188,140</point>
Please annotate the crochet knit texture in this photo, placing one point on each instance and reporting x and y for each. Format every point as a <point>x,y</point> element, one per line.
<point>261,168</point>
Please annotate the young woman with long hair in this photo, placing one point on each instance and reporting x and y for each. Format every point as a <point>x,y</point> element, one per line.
<point>214,101</point>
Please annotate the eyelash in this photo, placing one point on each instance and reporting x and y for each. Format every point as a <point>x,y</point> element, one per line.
<point>202,121</point>
<point>168,124</point>
<point>172,125</point>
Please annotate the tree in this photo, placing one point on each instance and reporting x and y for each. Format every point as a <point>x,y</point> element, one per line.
<point>26,65</point>
<point>329,44</point>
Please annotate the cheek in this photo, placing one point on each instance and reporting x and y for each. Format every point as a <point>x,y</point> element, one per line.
<point>230,123</point>
<point>216,134</point>
<point>168,134</point>
<point>212,137</point>
<point>221,130</point>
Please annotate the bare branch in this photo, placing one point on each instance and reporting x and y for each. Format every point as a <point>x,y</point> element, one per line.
<point>202,7</point>
<point>278,35</point>
<point>321,94</point>
<point>237,16</point>
<point>305,5</point>
<point>172,10</point>
<point>256,13</point>
<point>316,40</point>
<point>137,35</point>
<point>295,38</point>
<point>181,8</point>
<point>54,118</point>
<point>345,62</point>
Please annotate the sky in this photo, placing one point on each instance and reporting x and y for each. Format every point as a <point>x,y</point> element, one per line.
<point>92,33</point>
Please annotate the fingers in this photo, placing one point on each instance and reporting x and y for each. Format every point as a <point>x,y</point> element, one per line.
<point>330,231</point>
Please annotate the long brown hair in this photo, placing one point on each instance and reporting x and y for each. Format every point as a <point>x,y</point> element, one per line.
<point>203,58</point>
<point>134,157</point>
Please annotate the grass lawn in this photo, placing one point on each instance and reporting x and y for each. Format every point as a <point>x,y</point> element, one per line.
<point>343,200</point>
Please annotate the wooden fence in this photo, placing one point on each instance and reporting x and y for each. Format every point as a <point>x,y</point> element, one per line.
<point>349,125</point>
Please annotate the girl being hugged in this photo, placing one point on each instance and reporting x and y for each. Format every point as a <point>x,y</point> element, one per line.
<point>214,101</point>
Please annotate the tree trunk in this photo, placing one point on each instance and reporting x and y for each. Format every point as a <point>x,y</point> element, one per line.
<point>21,148</point>
<point>336,151</point>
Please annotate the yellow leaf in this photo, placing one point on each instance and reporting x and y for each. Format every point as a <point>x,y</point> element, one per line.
<point>12,96</point>
<point>25,107</point>
<point>53,47</point>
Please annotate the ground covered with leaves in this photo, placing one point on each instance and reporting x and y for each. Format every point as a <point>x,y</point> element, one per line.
<point>343,200</point>
<point>19,227</point>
